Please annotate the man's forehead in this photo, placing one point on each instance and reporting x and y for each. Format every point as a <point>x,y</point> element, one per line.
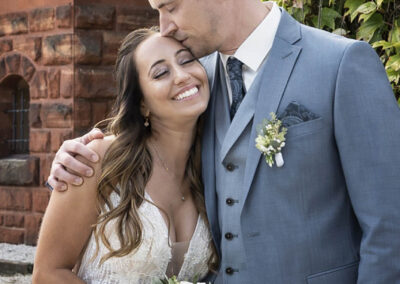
<point>158,4</point>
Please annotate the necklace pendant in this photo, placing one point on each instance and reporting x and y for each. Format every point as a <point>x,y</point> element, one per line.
<point>183,198</point>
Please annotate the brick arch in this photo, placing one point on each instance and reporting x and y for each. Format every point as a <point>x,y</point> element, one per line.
<point>15,63</point>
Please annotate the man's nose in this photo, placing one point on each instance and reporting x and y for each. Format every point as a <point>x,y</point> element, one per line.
<point>167,26</point>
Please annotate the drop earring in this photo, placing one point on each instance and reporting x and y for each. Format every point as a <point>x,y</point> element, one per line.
<point>146,120</point>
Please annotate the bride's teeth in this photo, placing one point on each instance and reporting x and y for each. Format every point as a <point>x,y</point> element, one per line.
<point>186,94</point>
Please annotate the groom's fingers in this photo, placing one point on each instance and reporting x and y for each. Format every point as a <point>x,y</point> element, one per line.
<point>73,148</point>
<point>62,174</point>
<point>95,133</point>
<point>53,184</point>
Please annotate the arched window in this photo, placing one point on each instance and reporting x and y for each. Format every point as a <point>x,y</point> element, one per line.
<point>14,116</point>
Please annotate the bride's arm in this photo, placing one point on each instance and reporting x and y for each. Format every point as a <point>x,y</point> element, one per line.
<point>66,227</point>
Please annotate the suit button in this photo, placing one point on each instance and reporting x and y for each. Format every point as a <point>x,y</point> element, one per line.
<point>228,236</point>
<point>229,201</point>
<point>230,167</point>
<point>229,270</point>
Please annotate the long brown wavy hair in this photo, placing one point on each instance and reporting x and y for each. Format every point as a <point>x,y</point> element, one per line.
<point>127,165</point>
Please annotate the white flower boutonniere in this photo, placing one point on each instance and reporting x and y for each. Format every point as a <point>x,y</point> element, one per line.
<point>271,140</point>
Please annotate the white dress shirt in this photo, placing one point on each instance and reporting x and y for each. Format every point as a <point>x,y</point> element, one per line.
<point>254,50</point>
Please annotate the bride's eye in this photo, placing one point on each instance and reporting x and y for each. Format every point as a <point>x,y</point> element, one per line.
<point>160,73</point>
<point>188,60</point>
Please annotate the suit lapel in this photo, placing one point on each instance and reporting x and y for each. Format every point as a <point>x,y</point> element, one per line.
<point>222,117</point>
<point>208,152</point>
<point>242,118</point>
<point>276,73</point>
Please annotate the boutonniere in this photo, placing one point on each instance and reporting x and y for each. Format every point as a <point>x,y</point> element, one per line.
<point>271,140</point>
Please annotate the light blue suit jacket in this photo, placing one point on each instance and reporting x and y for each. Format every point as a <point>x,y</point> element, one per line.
<point>331,213</point>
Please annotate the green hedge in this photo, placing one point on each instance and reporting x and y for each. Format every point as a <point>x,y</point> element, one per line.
<point>376,22</point>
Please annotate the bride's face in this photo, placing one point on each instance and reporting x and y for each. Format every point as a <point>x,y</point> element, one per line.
<point>174,84</point>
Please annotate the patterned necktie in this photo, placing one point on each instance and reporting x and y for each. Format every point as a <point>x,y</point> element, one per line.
<point>234,67</point>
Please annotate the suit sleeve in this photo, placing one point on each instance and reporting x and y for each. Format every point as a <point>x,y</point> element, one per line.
<point>367,132</point>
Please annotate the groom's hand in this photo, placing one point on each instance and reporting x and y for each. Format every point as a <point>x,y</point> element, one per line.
<point>66,169</point>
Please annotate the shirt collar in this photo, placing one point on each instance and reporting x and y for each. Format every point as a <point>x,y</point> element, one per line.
<point>255,48</point>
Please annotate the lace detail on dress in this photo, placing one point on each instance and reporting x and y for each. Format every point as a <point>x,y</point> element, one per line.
<point>150,260</point>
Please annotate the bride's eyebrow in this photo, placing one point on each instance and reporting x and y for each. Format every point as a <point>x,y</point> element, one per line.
<point>155,63</point>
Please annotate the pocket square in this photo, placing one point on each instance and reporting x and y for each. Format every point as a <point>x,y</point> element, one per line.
<point>295,113</point>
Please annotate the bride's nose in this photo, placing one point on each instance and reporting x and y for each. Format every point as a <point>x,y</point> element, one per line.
<point>181,76</point>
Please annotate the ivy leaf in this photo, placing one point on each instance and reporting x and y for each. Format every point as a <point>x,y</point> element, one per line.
<point>365,17</point>
<point>385,45</point>
<point>394,76</point>
<point>394,62</point>
<point>340,31</point>
<point>328,17</point>
<point>352,6</point>
<point>368,28</point>
<point>366,8</point>
<point>379,3</point>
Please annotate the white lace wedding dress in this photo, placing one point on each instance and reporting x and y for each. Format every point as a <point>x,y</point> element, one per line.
<point>153,258</point>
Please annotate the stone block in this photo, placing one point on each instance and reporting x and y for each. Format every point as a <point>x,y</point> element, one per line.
<point>136,17</point>
<point>94,83</point>
<point>34,116</point>
<point>13,23</point>
<point>11,235</point>
<point>5,46</point>
<point>111,43</point>
<point>99,111</point>
<point>82,114</point>
<point>27,69</point>
<point>88,48</point>
<point>14,220</point>
<point>54,83</point>
<point>39,85</point>
<point>31,46</point>
<point>39,140</point>
<point>41,19</point>
<point>40,199</point>
<point>94,16</point>
<point>64,16</point>
<point>58,136</point>
<point>19,171</point>
<point>15,199</point>
<point>56,115</point>
<point>66,83</point>
<point>57,49</point>
<point>32,226</point>
<point>13,62</point>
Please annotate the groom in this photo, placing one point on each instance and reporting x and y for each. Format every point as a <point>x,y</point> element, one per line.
<point>331,213</point>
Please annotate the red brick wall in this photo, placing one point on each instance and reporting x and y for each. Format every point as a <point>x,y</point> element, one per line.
<point>66,55</point>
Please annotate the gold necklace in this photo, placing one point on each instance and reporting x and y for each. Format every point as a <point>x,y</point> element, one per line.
<point>164,165</point>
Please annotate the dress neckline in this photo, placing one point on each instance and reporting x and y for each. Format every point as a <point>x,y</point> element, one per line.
<point>165,229</point>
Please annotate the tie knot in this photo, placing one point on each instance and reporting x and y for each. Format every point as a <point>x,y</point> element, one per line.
<point>234,68</point>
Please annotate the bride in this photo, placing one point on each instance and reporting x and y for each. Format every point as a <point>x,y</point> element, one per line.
<point>141,216</point>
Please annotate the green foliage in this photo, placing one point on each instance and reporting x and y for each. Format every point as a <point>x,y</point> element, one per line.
<point>374,21</point>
